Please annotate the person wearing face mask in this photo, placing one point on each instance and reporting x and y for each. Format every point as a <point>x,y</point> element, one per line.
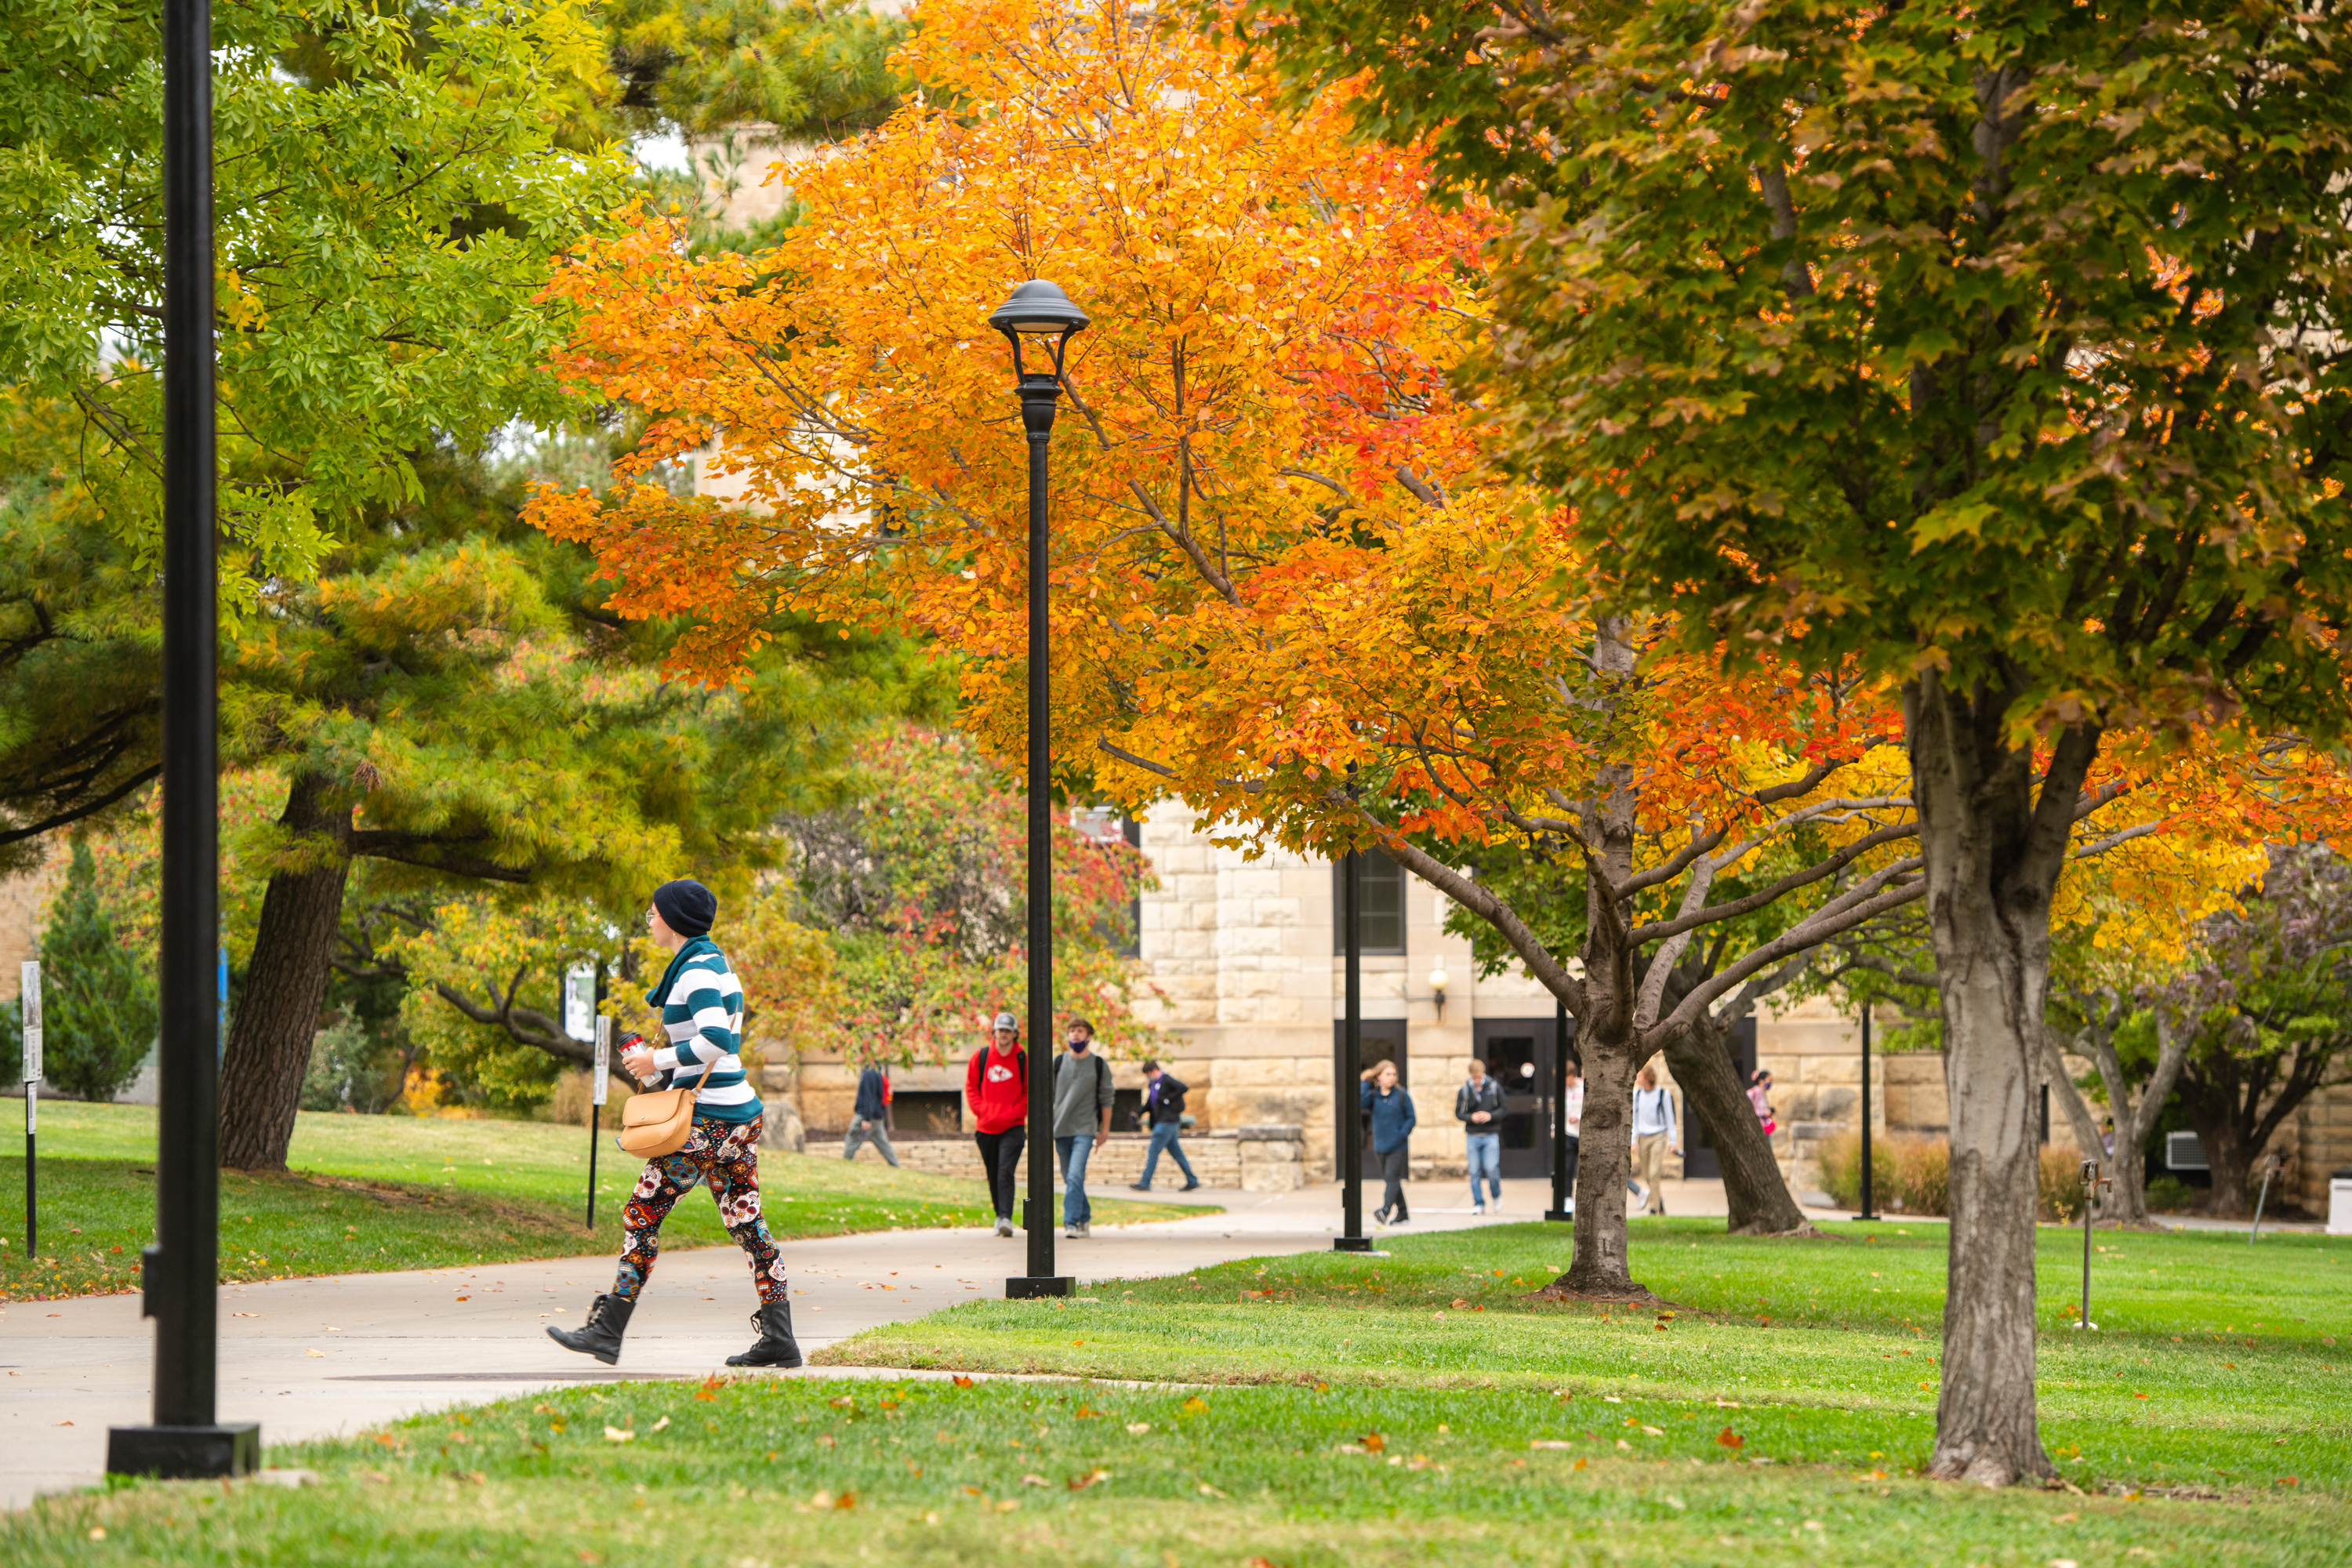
<point>1083,1094</point>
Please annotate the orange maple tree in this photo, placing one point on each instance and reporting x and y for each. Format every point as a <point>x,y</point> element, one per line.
<point>1288,586</point>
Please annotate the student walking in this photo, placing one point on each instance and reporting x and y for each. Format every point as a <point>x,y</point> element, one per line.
<point>1478,1106</point>
<point>870,1117</point>
<point>1083,1094</point>
<point>702,1013</point>
<point>996,1087</point>
<point>1759,1095</point>
<point>1655,1133</point>
<point>1393,1123</point>
<point>1571,1116</point>
<point>1163,1112</point>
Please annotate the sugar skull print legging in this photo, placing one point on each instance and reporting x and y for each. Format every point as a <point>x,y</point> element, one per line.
<point>726,1156</point>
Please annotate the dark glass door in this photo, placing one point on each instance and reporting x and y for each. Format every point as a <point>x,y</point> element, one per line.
<point>1519,1056</point>
<point>1698,1148</point>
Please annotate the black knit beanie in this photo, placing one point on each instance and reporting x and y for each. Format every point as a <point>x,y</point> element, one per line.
<point>687,906</point>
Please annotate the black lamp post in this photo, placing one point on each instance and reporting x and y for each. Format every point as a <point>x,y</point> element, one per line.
<point>1040,313</point>
<point>181,1269</point>
<point>1348,1091</point>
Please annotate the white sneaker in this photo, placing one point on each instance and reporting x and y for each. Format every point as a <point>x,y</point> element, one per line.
<point>1084,1232</point>
<point>1004,1225</point>
<point>1570,1209</point>
<point>1477,1208</point>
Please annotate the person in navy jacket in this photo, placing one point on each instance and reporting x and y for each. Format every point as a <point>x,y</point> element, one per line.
<point>1393,1123</point>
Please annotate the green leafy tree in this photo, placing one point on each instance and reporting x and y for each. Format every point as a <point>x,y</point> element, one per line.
<point>1997,348</point>
<point>99,1010</point>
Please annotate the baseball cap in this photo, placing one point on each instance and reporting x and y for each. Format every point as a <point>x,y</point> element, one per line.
<point>1006,1021</point>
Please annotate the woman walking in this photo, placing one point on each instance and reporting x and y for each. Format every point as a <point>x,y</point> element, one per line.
<point>1392,1124</point>
<point>702,1013</point>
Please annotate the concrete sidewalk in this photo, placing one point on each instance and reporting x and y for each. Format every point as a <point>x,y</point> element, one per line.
<point>324,1357</point>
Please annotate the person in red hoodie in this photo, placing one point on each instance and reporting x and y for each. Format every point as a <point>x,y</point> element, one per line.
<point>996,1087</point>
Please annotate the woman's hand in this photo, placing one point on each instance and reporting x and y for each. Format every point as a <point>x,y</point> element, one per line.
<point>640,1063</point>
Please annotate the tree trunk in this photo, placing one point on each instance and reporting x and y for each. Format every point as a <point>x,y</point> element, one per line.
<point>1604,1159</point>
<point>2231,1157</point>
<point>1992,855</point>
<point>286,984</point>
<point>1758,1197</point>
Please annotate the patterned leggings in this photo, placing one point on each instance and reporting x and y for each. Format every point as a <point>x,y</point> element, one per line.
<point>726,1155</point>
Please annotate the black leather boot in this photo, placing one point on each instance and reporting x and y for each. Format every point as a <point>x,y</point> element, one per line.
<point>776,1346</point>
<point>600,1336</point>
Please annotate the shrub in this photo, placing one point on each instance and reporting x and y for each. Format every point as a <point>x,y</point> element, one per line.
<point>2170,1194</point>
<point>568,1106</point>
<point>1923,1173</point>
<point>99,1008</point>
<point>351,1070</point>
<point>2062,1185</point>
<point>1841,1158</point>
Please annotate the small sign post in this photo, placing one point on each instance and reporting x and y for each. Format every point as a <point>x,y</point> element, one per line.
<point>596,1081</point>
<point>29,974</point>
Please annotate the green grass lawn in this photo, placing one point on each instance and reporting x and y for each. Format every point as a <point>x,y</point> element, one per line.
<point>1408,1409</point>
<point>393,1191</point>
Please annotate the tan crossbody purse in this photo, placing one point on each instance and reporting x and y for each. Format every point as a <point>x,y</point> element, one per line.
<point>659,1123</point>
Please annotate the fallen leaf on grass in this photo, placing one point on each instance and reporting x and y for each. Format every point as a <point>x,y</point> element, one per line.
<point>1080,1483</point>
<point>1374,1443</point>
<point>1624,1445</point>
<point>2290,1480</point>
<point>1035,1481</point>
<point>1087,1413</point>
<point>842,1402</point>
<point>710,1389</point>
<point>1138,1428</point>
<point>1208,1491</point>
<point>588,1556</point>
<point>1549,1442</point>
<point>1459,1303</point>
<point>962,1381</point>
<point>1654,1431</point>
<point>2065,1517</point>
<point>1730,1440</point>
<point>615,1435</point>
<point>662,1423</point>
<point>1726,1405</point>
<point>1196,1405</point>
<point>1261,1563</point>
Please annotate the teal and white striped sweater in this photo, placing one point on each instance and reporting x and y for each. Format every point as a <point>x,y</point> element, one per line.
<point>702,1012</point>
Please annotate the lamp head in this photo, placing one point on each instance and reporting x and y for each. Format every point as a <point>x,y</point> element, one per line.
<point>1040,312</point>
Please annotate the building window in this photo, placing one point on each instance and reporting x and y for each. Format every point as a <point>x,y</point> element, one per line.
<point>1380,904</point>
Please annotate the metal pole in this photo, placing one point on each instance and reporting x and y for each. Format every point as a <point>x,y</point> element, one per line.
<point>182,1267</point>
<point>1039,394</point>
<point>1352,1237</point>
<point>597,1076</point>
<point>29,997</point>
<point>1559,1183</point>
<point>2090,1202</point>
<point>2270,1169</point>
<point>1865,1212</point>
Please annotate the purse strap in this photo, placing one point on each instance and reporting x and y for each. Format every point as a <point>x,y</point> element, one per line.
<point>704,1073</point>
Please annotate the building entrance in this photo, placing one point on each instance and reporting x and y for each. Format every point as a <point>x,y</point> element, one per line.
<point>1519,1055</point>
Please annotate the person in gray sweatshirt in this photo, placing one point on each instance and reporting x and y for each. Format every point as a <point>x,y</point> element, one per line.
<point>1082,1101</point>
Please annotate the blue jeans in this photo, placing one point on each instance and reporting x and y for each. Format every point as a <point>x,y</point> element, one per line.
<point>1487,1155</point>
<point>1163,1136</point>
<point>1074,1151</point>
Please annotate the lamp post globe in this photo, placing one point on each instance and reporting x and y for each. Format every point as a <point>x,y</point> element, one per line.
<point>1039,315</point>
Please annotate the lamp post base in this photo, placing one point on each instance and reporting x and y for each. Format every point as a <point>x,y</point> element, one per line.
<point>1564,1215</point>
<point>184,1453</point>
<point>1859,1218</point>
<point>1352,1244</point>
<point>1029,1286</point>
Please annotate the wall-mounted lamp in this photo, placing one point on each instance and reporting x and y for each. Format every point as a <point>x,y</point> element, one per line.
<point>1438,980</point>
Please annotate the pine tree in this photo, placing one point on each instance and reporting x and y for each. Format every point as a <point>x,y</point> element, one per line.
<point>98,996</point>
